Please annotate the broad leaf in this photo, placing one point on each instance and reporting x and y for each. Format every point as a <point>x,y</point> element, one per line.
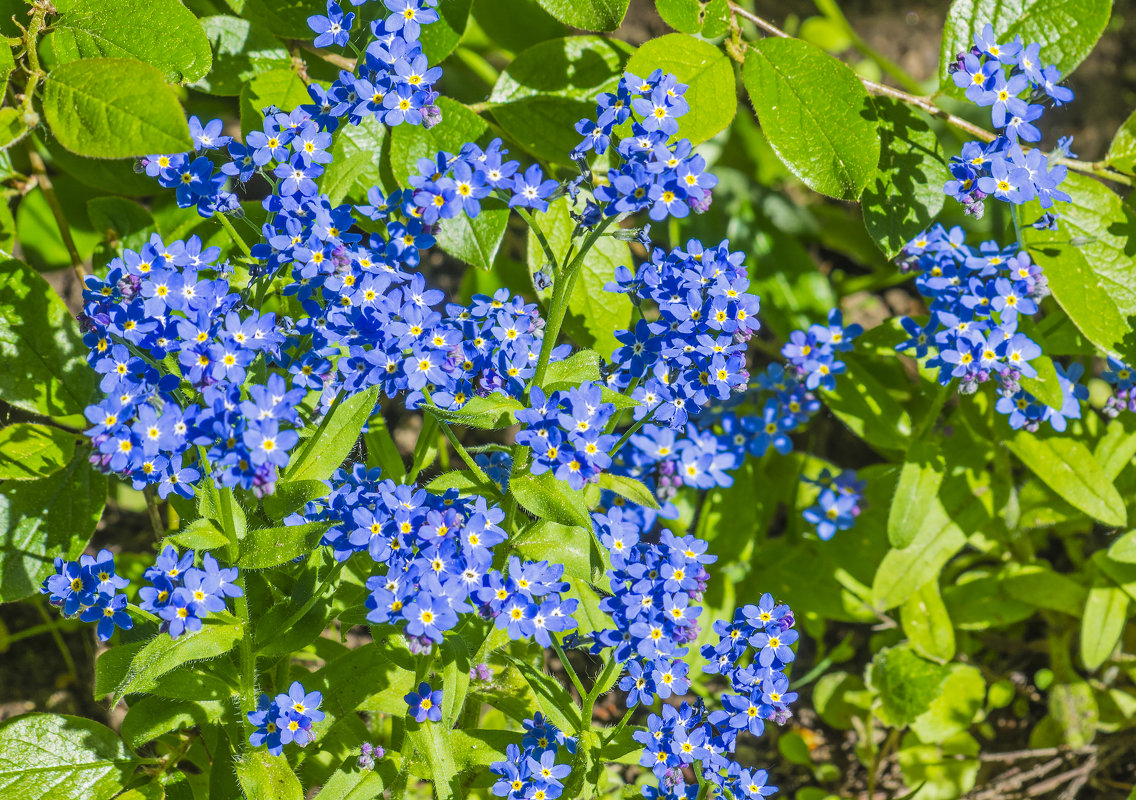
<point>114,108</point>
<point>547,498</point>
<point>553,699</point>
<point>589,15</point>
<point>50,756</point>
<point>269,547</point>
<point>475,240</point>
<point>569,545</point>
<point>318,457</point>
<point>44,518</point>
<point>282,88</point>
<point>162,33</point>
<point>815,113</point>
<point>708,73</point>
<point>629,488</point>
<point>917,489</point>
<point>912,167</point>
<point>356,155</point>
<point>1088,262</point>
<point>1068,468</point>
<point>954,709</point>
<point>30,451</point>
<point>865,406</point>
<point>1106,613</point>
<point>241,51</point>
<point>268,777</point>
<point>440,38</point>
<point>548,88</point>
<point>927,624</point>
<point>409,143</point>
<point>163,654</point>
<point>488,413</point>
<point>907,684</point>
<point>45,366</point>
<point>1066,29</point>
<point>1124,548</point>
<point>150,717</point>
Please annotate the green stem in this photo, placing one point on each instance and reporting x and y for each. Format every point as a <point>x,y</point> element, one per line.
<point>155,514</point>
<point>45,185</point>
<point>1017,224</point>
<point>613,732</point>
<point>245,657</point>
<point>932,415</point>
<point>422,446</point>
<point>561,294</point>
<point>559,648</point>
<point>141,612</point>
<point>478,65</point>
<point>541,239</point>
<point>43,627</point>
<point>316,595</point>
<point>57,637</point>
<point>236,237</point>
<point>601,685</point>
<point>627,434</point>
<point>452,438</point>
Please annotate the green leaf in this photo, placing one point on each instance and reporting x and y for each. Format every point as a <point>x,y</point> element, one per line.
<point>1106,613</point>
<point>547,498</point>
<point>682,15</point>
<point>282,88</point>
<point>44,518</point>
<point>919,480</point>
<point>350,783</point>
<point>548,88</point>
<point>334,439</point>
<point>163,654</point>
<point>269,547</point>
<point>1067,467</point>
<point>52,756</point>
<point>461,479</point>
<point>1041,586</point>
<point>815,113</point>
<point>1124,548</point>
<point>1066,29</point>
<point>268,777</point>
<point>709,74</point>
<point>1045,387</point>
<point>475,240</point>
<point>865,406</point>
<point>440,38</point>
<point>201,534</point>
<point>408,143</point>
<point>1074,708</point>
<point>13,127</point>
<point>241,51</point>
<point>581,366</point>
<point>356,156</point>
<point>927,624</point>
<point>45,365</point>
<point>455,678</point>
<point>114,108</point>
<point>958,702</point>
<point>907,684</point>
<point>635,491</point>
<point>1088,262</point>
<point>488,413</point>
<point>150,717</point>
<point>162,33</point>
<point>594,314</point>
<point>912,167</point>
<point>553,699</point>
<point>588,15</point>
<point>569,545</point>
<point>30,451</point>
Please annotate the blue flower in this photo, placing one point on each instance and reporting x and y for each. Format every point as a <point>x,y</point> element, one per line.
<point>425,703</point>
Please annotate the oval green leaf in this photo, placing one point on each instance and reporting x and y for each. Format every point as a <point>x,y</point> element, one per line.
<point>588,15</point>
<point>30,451</point>
<point>815,113</point>
<point>49,756</point>
<point>114,108</point>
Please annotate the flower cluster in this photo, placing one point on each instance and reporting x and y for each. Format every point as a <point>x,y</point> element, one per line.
<point>761,634</point>
<point>812,353</point>
<point>567,432</point>
<point>1121,378</point>
<point>652,169</point>
<point>530,772</point>
<point>89,587</point>
<point>393,83</point>
<point>998,75</point>
<point>161,303</point>
<point>693,352</point>
<point>182,595</point>
<point>837,504</point>
<point>435,555</point>
<point>655,582</point>
<point>976,298</point>
<point>285,718</point>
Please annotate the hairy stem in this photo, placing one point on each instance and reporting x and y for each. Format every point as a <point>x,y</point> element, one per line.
<point>44,183</point>
<point>238,240</point>
<point>245,657</point>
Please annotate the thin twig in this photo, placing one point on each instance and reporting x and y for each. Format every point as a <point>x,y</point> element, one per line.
<point>44,182</point>
<point>1097,168</point>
